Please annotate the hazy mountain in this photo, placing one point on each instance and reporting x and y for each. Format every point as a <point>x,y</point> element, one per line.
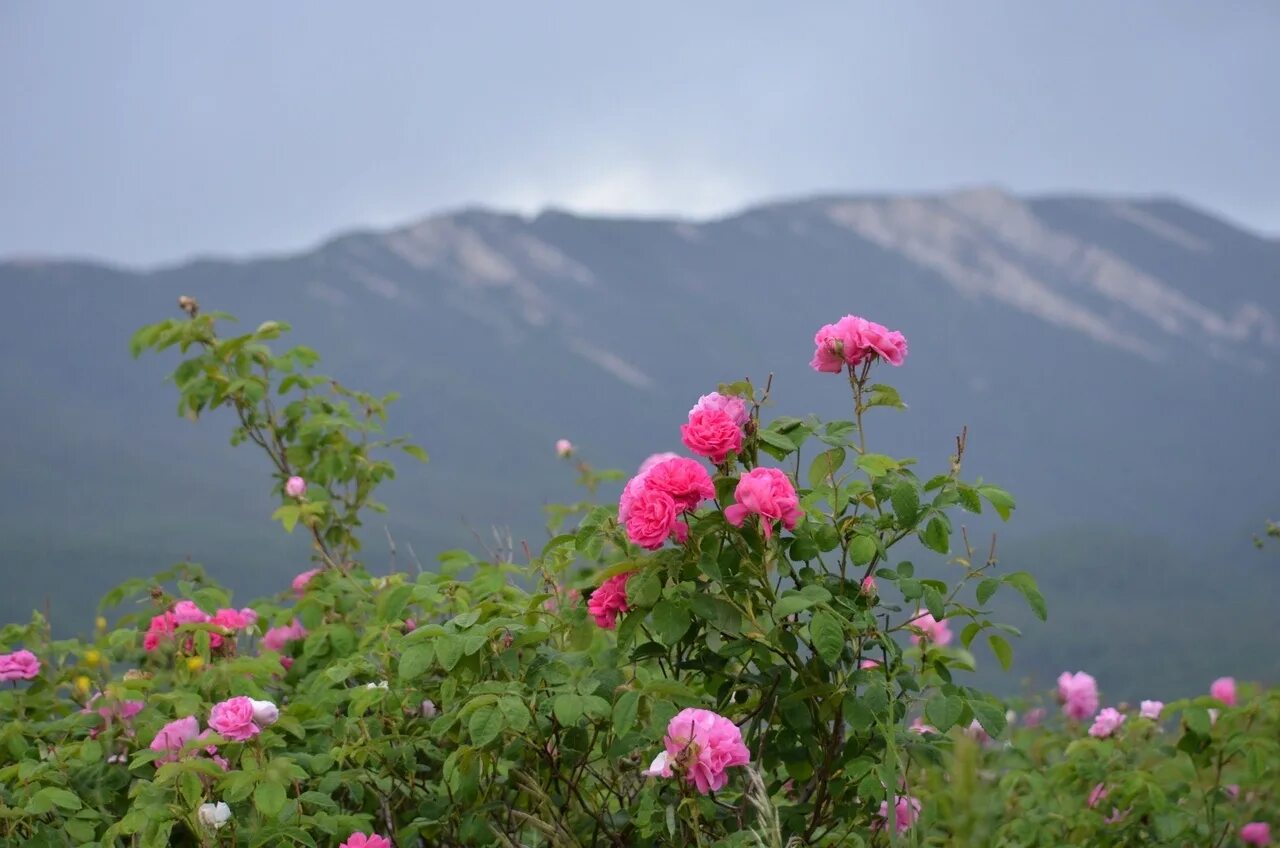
<point>1116,362</point>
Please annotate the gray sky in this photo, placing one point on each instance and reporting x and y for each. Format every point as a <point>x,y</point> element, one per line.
<point>150,131</point>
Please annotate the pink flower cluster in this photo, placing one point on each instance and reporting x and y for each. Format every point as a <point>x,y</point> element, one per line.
<point>238,718</point>
<point>122,711</point>
<point>906,810</point>
<point>1106,723</point>
<point>768,493</point>
<point>229,622</point>
<point>277,638</point>
<point>1256,833</point>
<point>174,737</point>
<point>715,426</point>
<point>702,745</point>
<point>852,341</point>
<point>610,600</point>
<point>20,665</point>
<point>360,840</point>
<point>1078,694</point>
<point>929,629</point>
<point>653,500</point>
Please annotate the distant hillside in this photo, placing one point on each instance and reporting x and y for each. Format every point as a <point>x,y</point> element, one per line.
<point>1116,362</point>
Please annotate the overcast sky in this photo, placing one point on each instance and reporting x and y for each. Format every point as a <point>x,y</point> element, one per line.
<point>146,132</point>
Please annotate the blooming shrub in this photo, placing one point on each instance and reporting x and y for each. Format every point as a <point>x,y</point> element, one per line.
<point>738,654</point>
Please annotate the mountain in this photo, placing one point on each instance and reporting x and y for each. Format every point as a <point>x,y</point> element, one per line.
<point>1115,360</point>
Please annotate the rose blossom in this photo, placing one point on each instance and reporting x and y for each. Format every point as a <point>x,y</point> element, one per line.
<point>868,586</point>
<point>300,582</point>
<point>277,638</point>
<point>652,518</point>
<point>736,407</point>
<point>609,600</point>
<point>1151,709</point>
<point>1078,693</point>
<point>929,629</point>
<point>429,709</point>
<point>1033,717</point>
<point>214,816</point>
<point>1256,833</point>
<point>359,840</point>
<point>186,612</point>
<point>234,719</point>
<point>295,487</point>
<point>906,811</point>
<point>173,736</point>
<point>20,665</point>
<point>684,479</point>
<point>265,713</point>
<point>1224,689</point>
<point>1097,794</point>
<point>234,620</point>
<point>702,744</point>
<point>851,340</point>
<point>564,448</point>
<point>918,725</point>
<point>712,433</point>
<point>1107,723</point>
<point>768,493</point>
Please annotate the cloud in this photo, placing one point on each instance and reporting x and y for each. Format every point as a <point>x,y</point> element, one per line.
<point>632,189</point>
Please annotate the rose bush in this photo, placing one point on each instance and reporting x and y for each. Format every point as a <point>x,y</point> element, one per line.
<point>737,654</point>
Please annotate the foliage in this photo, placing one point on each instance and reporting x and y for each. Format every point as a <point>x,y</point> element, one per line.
<point>481,704</point>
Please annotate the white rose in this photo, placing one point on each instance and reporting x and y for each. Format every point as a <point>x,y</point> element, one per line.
<point>214,816</point>
<point>265,713</point>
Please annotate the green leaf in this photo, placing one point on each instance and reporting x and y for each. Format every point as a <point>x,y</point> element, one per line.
<point>644,590</point>
<point>882,395</point>
<point>624,711</point>
<point>862,549</point>
<point>776,444</point>
<point>791,603</point>
<point>943,711</point>
<point>485,725</point>
<point>934,603</point>
<point>269,798</point>
<point>393,603</point>
<point>416,660</point>
<point>1026,584</point>
<point>63,798</point>
<point>906,503</point>
<point>671,620</point>
<point>826,631</point>
<point>415,452</point>
<point>968,497</point>
<point>990,716</point>
<point>448,651</point>
<point>824,467</point>
<point>568,708</point>
<point>986,589</point>
<point>999,499</point>
<point>287,515</point>
<point>937,536</point>
<point>1000,647</point>
<point>1197,719</point>
<point>877,464</point>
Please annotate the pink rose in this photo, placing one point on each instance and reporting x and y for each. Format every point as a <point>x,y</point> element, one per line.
<point>124,711</point>
<point>735,407</point>
<point>186,612</point>
<point>277,638</point>
<point>20,665</point>
<point>929,629</point>
<point>173,736</point>
<point>1151,709</point>
<point>906,812</point>
<point>161,627</point>
<point>768,493</point>
<point>653,517</point>
<point>300,582</point>
<point>1078,693</point>
<point>1256,833</point>
<point>234,620</point>
<point>711,433</point>
<point>654,459</point>
<point>295,487</point>
<point>1097,794</point>
<point>684,479</point>
<point>609,600</point>
<point>918,726</point>
<point>564,448</point>
<point>1224,689</point>
<point>869,664</point>
<point>868,586</point>
<point>977,732</point>
<point>1107,723</point>
<point>1033,717</point>
<point>234,719</point>
<point>359,840</point>
<point>703,744</point>
<point>852,340</point>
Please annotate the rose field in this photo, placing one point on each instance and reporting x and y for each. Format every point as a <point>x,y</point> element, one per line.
<point>739,651</point>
